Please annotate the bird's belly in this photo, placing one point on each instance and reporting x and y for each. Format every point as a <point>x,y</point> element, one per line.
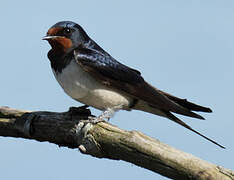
<point>79,85</point>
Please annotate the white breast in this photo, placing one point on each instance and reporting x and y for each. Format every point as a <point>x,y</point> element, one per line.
<point>79,85</point>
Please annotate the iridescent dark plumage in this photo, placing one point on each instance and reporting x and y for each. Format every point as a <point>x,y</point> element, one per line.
<point>89,74</point>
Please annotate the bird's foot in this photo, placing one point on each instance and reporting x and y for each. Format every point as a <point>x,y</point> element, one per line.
<point>95,120</point>
<point>107,114</point>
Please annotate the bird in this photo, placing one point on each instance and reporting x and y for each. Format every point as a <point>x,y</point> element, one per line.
<point>90,75</point>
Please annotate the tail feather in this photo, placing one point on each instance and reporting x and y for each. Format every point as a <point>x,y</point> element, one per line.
<point>143,106</point>
<point>187,112</point>
<point>177,120</point>
<point>186,104</point>
<point>182,110</point>
<point>180,106</point>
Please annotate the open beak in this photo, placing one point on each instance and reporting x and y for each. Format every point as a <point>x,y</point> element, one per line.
<point>49,37</point>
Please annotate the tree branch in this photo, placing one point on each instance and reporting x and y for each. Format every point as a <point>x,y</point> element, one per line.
<point>104,140</point>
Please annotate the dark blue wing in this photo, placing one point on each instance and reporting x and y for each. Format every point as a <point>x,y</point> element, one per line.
<point>111,73</point>
<point>107,66</point>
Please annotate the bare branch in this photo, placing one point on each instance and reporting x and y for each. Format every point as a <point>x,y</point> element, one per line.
<point>104,140</point>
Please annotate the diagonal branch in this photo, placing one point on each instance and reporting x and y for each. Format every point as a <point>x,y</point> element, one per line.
<point>104,140</point>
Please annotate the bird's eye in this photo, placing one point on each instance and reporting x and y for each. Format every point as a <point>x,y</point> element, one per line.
<point>67,31</point>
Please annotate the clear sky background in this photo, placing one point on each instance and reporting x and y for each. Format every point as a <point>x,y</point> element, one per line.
<point>183,47</point>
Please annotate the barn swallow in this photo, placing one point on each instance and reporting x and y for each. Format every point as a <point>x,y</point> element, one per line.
<point>90,75</point>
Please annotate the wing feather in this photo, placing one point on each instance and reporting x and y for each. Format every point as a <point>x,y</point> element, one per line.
<point>111,73</point>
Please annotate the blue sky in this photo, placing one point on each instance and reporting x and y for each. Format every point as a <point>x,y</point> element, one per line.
<point>183,47</point>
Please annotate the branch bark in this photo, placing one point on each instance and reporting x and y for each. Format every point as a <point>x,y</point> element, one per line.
<point>103,140</point>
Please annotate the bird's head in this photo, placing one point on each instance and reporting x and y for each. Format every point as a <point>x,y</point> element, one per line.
<point>65,35</point>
